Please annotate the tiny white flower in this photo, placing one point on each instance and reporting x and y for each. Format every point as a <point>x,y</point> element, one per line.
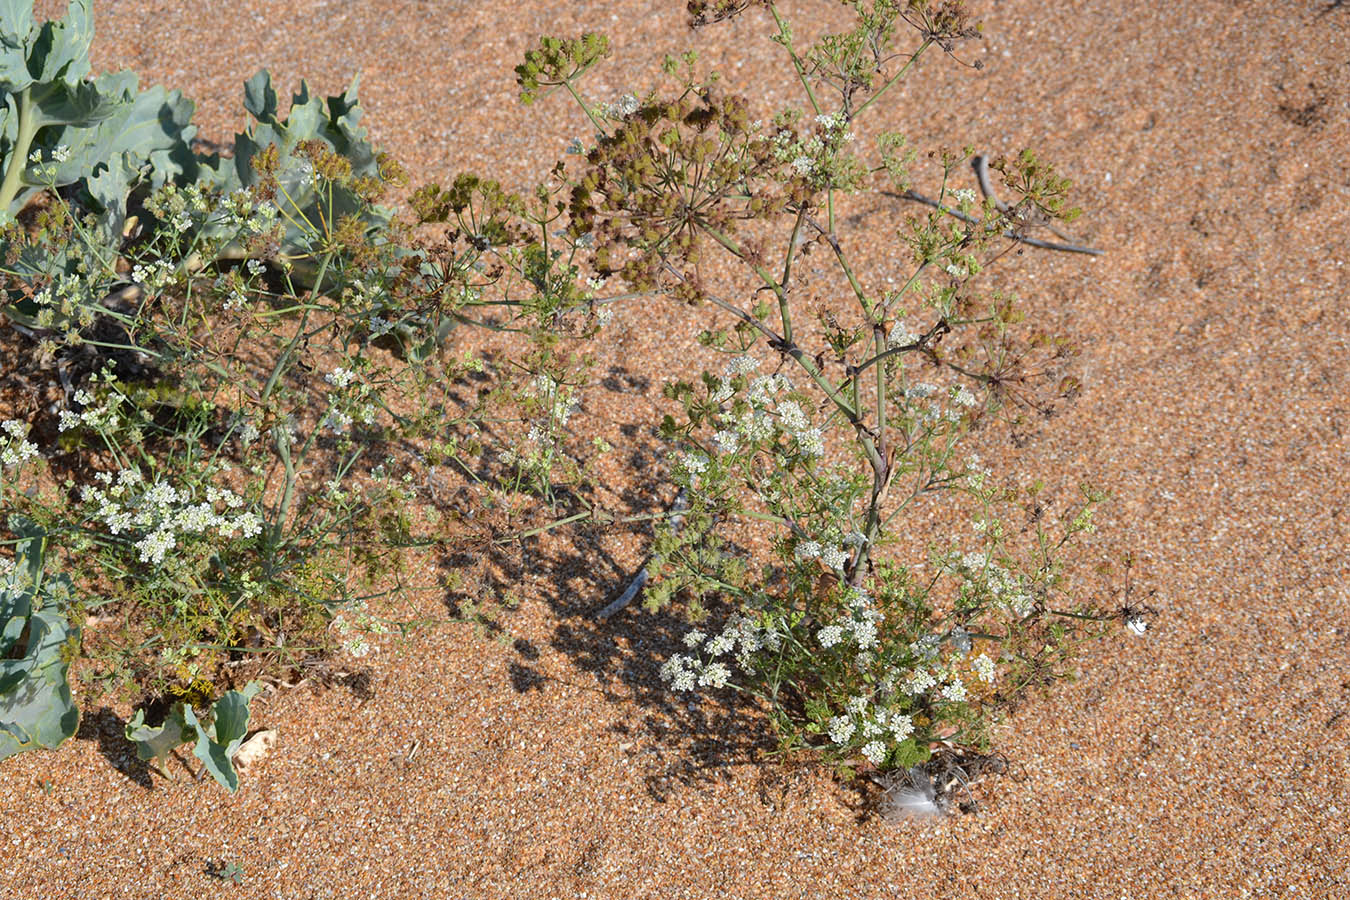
<point>726,441</point>
<point>865,634</point>
<point>694,463</point>
<point>807,550</point>
<point>672,667</point>
<point>955,691</point>
<point>834,558</point>
<point>792,417</point>
<point>248,525</point>
<point>830,635</point>
<point>756,426</point>
<point>983,666</point>
<point>720,644</point>
<point>900,336</point>
<point>918,682</point>
<point>153,547</point>
<point>715,675</point>
<point>742,365</point>
<point>694,638</point>
<point>901,727</point>
<point>875,751</point>
<point>340,377</point>
<point>841,729</point>
<point>811,442</point>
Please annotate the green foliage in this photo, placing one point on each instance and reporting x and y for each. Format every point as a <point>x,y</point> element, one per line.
<point>257,393</point>
<point>218,734</point>
<point>97,134</point>
<point>315,165</point>
<point>36,645</point>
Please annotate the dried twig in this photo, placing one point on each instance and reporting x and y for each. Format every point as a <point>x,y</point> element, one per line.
<point>981,166</point>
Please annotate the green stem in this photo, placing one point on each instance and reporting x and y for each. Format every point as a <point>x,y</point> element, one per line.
<point>896,77</point>
<point>584,108</point>
<point>796,60</point>
<point>285,359</point>
<point>18,156</point>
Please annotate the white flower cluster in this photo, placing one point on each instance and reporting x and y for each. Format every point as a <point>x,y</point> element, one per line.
<point>795,423</point>
<point>857,627</point>
<point>557,398</point>
<point>162,514</point>
<point>962,397</point>
<point>765,418</point>
<point>351,404</point>
<point>355,633</point>
<point>15,448</point>
<point>625,106</point>
<point>155,275</point>
<point>831,556</point>
<point>984,574</point>
<point>976,474</point>
<point>983,667</point>
<point>100,416</point>
<point>814,154</point>
<point>879,724</point>
<point>195,205</point>
<point>742,638</point>
<point>46,172</point>
<point>558,403</point>
<point>340,377</point>
<point>70,295</point>
<point>900,336</point>
<point>692,465</point>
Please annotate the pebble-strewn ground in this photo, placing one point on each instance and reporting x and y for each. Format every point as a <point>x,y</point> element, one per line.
<point>1208,759</point>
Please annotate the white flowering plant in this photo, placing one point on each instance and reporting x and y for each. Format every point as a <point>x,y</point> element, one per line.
<point>249,368</point>
<point>836,437</point>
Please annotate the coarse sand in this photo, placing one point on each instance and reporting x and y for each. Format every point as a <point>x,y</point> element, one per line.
<point>1208,144</point>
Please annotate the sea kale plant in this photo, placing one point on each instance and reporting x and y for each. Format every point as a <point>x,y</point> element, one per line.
<point>835,424</point>
<point>247,362</point>
<point>37,643</point>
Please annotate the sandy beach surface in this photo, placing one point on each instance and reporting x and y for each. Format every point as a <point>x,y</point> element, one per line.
<point>1208,144</point>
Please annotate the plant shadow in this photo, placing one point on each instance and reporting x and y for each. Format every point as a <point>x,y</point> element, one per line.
<point>109,731</point>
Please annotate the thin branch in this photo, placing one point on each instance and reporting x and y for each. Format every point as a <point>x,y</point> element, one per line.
<point>1007,232</point>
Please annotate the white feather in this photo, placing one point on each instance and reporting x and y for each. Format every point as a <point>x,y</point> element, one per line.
<point>911,798</point>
